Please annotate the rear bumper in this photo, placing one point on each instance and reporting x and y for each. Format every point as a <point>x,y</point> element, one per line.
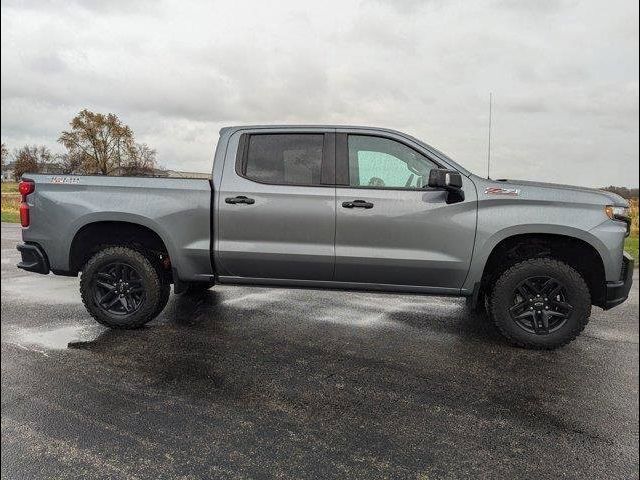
<point>618,292</point>
<point>33,258</point>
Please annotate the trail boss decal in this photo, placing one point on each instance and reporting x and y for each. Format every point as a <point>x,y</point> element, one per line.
<point>65,180</point>
<point>514,192</point>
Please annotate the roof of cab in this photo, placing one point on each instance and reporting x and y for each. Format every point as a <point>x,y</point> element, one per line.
<point>302,126</point>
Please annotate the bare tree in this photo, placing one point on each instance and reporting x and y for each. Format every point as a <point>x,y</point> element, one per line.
<point>5,155</point>
<point>102,142</point>
<point>141,161</point>
<point>71,163</point>
<point>624,192</point>
<point>31,159</point>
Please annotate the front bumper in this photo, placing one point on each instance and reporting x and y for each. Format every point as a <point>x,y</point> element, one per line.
<point>33,258</point>
<point>618,292</point>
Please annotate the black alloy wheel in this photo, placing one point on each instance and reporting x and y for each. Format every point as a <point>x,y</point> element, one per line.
<point>540,305</point>
<point>122,287</point>
<point>118,289</point>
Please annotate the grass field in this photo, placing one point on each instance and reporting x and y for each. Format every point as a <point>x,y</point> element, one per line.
<point>9,187</point>
<point>631,246</point>
<point>10,217</point>
<point>11,201</point>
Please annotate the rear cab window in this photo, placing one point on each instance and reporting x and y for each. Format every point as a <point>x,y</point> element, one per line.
<point>284,158</point>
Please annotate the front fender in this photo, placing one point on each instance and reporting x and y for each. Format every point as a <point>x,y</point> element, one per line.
<point>484,247</point>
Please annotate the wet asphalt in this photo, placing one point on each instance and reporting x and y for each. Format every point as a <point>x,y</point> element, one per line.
<point>277,383</point>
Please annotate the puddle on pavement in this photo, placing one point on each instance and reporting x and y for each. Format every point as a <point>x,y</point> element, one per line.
<point>58,338</point>
<point>47,289</point>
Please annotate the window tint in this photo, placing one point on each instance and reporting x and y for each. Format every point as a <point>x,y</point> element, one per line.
<point>381,162</point>
<point>289,159</point>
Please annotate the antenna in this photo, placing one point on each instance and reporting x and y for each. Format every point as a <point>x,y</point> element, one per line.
<point>489,147</point>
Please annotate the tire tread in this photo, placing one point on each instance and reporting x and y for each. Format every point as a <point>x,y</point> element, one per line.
<point>551,264</point>
<point>157,295</point>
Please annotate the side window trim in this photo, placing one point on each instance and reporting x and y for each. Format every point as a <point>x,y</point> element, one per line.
<point>327,166</point>
<point>241,155</point>
<point>342,159</point>
<point>342,162</point>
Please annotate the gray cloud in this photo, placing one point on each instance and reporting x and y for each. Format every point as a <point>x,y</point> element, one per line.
<point>564,75</point>
<point>537,8</point>
<point>96,6</point>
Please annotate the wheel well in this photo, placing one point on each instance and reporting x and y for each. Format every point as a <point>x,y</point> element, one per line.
<point>94,236</point>
<point>573,251</point>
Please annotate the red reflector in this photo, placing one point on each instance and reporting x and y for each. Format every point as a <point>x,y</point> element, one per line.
<point>24,214</point>
<point>26,187</point>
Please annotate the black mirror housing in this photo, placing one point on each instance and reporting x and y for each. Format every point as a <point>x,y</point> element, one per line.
<point>447,179</point>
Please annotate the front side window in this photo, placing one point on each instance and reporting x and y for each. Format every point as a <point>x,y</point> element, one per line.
<point>380,162</point>
<point>284,159</point>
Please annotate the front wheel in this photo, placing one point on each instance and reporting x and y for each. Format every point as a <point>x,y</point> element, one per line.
<point>121,288</point>
<point>540,303</point>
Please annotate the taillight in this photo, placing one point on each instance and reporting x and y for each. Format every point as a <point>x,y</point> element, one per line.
<point>25,187</point>
<point>24,214</point>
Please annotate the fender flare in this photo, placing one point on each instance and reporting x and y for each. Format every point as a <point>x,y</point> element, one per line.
<point>482,252</point>
<point>116,217</point>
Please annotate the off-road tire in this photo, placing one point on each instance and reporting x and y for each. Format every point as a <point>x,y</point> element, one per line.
<point>501,300</point>
<point>165,293</point>
<point>156,294</point>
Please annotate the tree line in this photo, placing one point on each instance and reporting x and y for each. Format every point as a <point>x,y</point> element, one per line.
<point>95,143</point>
<point>624,192</point>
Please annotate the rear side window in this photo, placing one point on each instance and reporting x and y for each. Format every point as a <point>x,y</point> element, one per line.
<point>284,159</point>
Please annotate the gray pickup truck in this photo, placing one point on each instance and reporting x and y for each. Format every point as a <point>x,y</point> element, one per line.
<point>350,208</point>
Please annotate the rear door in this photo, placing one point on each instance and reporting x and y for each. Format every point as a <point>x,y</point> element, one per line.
<point>392,230</point>
<point>277,206</point>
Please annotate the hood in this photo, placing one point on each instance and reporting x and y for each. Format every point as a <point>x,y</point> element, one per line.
<point>609,198</point>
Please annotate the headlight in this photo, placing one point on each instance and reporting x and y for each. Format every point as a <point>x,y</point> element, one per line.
<point>617,213</point>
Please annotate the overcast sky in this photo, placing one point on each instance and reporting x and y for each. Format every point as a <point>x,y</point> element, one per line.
<point>564,75</point>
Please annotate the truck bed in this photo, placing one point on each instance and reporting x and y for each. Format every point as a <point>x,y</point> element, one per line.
<point>177,209</point>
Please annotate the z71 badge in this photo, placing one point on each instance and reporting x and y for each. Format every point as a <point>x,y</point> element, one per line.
<point>514,192</point>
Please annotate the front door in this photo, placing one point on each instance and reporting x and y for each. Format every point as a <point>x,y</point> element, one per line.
<point>276,207</point>
<point>392,230</point>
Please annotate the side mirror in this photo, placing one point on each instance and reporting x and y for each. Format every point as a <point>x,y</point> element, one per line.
<point>449,180</point>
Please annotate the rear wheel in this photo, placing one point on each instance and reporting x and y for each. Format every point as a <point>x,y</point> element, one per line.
<point>121,288</point>
<point>540,303</point>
